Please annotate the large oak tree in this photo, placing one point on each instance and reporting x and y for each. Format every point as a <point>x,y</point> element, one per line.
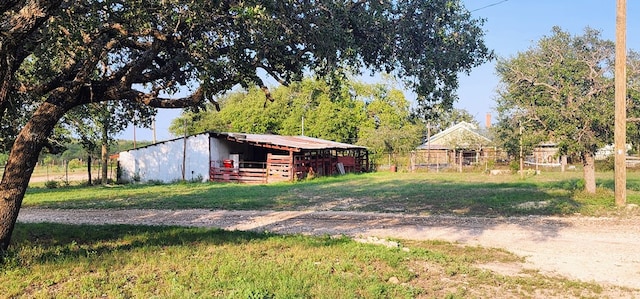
<point>62,54</point>
<point>560,91</point>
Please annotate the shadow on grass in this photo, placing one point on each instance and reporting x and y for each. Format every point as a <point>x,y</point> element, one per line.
<point>69,241</point>
<point>365,193</point>
<point>453,197</point>
<point>260,224</point>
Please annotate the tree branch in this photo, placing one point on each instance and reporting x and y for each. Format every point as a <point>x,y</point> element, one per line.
<point>154,101</point>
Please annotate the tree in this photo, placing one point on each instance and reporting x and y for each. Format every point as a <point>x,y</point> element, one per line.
<point>440,118</point>
<point>135,51</point>
<point>374,115</point>
<point>389,128</point>
<point>327,114</point>
<point>21,21</point>
<point>96,124</point>
<point>561,90</point>
<point>633,99</point>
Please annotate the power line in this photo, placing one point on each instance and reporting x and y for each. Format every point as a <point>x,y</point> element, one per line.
<point>490,5</point>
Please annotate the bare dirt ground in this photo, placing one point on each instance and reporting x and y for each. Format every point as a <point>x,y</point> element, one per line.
<point>71,177</point>
<point>601,250</point>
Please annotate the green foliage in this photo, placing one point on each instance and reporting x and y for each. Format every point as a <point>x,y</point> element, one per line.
<point>75,164</point>
<point>440,119</point>
<point>389,127</point>
<point>308,101</point>
<point>3,158</point>
<point>608,164</point>
<point>633,102</point>
<point>51,184</point>
<point>204,49</point>
<point>373,115</point>
<point>561,91</point>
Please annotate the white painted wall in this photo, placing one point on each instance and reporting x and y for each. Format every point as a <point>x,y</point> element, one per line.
<point>219,151</point>
<point>163,161</point>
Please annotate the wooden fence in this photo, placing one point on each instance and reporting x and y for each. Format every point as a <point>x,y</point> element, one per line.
<point>276,169</point>
<point>279,168</point>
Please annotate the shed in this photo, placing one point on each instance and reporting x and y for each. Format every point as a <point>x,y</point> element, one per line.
<point>239,157</point>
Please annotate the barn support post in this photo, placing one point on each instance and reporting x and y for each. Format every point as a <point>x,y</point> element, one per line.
<point>268,167</point>
<point>292,172</point>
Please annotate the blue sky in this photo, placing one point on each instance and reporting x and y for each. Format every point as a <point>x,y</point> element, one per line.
<point>511,26</point>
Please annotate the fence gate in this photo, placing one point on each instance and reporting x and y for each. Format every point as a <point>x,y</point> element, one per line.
<point>279,168</point>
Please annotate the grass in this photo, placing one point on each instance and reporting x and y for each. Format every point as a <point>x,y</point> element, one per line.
<point>120,261</point>
<point>472,194</point>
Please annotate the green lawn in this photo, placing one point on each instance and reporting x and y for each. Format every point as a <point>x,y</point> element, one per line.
<point>121,261</point>
<point>550,193</point>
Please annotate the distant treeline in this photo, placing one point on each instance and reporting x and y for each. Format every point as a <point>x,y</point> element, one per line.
<point>75,152</point>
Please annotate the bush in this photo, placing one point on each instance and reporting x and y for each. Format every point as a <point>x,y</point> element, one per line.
<point>75,164</point>
<point>515,165</point>
<point>607,164</point>
<point>51,184</point>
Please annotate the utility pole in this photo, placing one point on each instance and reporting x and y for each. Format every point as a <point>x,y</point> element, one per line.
<point>134,132</point>
<point>153,126</point>
<point>620,129</point>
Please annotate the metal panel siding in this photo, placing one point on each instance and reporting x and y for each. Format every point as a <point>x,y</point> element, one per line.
<point>163,161</point>
<point>197,161</point>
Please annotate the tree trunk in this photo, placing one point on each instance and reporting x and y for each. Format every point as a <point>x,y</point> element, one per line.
<point>563,163</point>
<point>105,164</point>
<point>22,160</point>
<point>90,182</point>
<point>589,171</point>
<point>105,152</point>
<point>6,74</point>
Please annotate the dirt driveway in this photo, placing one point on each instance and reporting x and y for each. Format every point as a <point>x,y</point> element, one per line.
<point>604,250</point>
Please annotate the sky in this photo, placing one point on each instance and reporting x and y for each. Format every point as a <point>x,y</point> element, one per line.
<point>511,26</point>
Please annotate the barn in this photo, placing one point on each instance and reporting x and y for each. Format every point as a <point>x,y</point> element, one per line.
<point>239,157</point>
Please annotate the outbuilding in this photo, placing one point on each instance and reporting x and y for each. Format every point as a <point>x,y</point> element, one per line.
<point>239,157</point>
<point>460,144</point>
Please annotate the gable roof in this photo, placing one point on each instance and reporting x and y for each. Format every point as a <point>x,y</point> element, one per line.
<point>462,134</point>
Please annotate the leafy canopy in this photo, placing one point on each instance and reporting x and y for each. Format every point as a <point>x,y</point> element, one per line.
<point>374,115</point>
<point>561,91</point>
<point>61,54</point>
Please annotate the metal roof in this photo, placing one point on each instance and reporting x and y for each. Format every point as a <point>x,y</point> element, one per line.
<point>439,140</point>
<point>293,142</point>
